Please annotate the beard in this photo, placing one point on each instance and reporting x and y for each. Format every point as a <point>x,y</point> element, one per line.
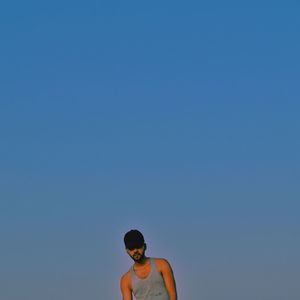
<point>137,257</point>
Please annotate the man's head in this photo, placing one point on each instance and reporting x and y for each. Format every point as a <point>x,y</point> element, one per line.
<point>135,245</point>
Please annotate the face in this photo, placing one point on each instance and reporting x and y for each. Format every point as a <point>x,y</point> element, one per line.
<point>137,254</point>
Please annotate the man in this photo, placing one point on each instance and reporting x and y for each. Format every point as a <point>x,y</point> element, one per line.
<point>148,278</point>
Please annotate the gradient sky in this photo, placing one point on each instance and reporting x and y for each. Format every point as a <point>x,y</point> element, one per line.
<point>180,119</point>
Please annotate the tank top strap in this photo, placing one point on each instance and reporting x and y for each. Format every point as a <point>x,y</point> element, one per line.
<point>132,274</point>
<point>153,269</point>
<point>153,264</point>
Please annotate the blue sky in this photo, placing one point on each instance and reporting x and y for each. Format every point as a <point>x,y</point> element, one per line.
<point>179,119</point>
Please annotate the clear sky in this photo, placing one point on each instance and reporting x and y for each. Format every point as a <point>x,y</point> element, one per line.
<point>180,119</point>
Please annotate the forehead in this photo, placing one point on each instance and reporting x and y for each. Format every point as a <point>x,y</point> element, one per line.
<point>132,247</point>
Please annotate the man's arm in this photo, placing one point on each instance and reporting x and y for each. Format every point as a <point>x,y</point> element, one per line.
<point>169,279</point>
<point>125,286</point>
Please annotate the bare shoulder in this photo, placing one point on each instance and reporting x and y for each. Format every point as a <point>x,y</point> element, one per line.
<point>162,264</point>
<point>125,280</point>
<point>125,285</point>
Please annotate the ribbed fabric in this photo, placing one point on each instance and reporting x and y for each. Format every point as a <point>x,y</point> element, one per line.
<point>150,288</point>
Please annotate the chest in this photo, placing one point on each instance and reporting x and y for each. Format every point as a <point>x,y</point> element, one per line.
<point>143,272</point>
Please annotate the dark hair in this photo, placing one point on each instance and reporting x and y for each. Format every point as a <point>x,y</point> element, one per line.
<point>133,239</point>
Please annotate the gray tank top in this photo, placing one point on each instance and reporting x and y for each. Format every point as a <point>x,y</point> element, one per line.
<point>150,288</point>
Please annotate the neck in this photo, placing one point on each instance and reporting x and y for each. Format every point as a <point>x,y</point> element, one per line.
<point>142,261</point>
